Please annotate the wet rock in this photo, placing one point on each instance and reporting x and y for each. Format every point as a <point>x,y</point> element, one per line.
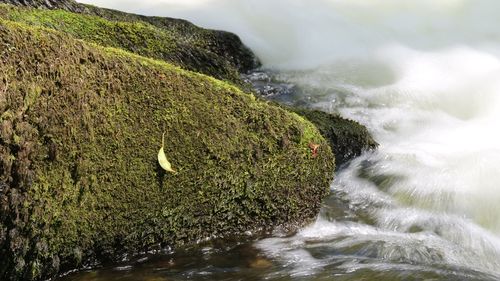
<point>260,263</point>
<point>266,86</point>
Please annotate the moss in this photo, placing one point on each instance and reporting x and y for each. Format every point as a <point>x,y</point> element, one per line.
<point>224,44</point>
<point>347,138</point>
<point>140,37</point>
<point>81,128</point>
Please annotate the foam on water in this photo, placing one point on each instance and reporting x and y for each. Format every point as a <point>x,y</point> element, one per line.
<point>423,76</point>
<point>436,117</point>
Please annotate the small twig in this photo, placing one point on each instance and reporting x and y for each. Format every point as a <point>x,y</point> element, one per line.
<point>6,87</point>
<point>163,139</point>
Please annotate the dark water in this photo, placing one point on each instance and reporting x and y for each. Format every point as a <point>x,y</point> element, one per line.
<point>217,260</point>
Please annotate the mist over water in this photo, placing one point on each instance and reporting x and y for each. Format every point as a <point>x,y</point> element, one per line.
<point>424,77</point>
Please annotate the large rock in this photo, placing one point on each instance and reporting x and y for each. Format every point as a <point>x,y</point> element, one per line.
<point>80,128</point>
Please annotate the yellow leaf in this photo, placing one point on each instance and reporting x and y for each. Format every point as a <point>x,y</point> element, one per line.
<point>162,158</point>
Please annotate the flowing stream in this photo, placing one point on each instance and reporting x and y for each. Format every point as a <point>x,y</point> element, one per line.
<point>424,77</point>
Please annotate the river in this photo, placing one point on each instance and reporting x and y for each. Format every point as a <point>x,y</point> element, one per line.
<point>424,77</point>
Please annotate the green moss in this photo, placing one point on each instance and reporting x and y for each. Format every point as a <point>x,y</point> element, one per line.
<point>136,36</point>
<point>226,45</point>
<point>79,177</point>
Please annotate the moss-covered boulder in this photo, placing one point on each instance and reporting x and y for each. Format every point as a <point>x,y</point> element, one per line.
<point>216,53</point>
<point>80,129</point>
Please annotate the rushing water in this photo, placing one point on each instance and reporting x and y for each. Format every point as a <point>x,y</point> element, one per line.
<point>424,77</point>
